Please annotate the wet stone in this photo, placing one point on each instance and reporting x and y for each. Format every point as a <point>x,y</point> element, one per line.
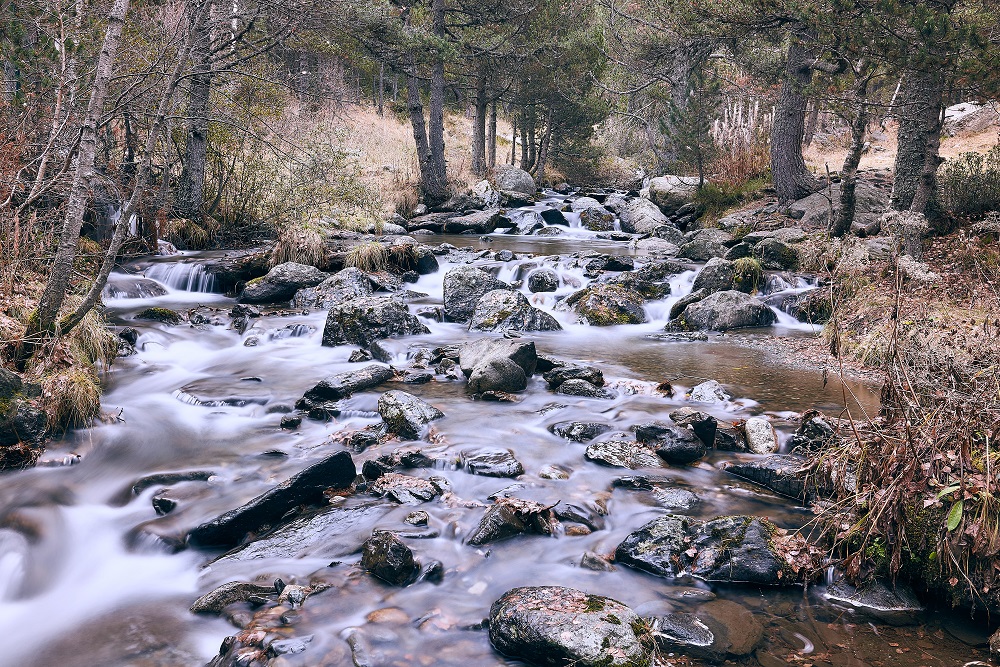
<point>674,445</point>
<point>406,415</point>
<point>509,517</point>
<point>492,463</point>
<point>709,392</point>
<point>387,558</point>
<point>561,374</point>
<point>231,593</point>
<point>584,389</point>
<point>596,562</point>
<point>405,489</point>
<point>790,476</point>
<point>760,436</point>
<point>418,518</point>
<point>703,424</point>
<point>580,431</point>
<point>622,454</point>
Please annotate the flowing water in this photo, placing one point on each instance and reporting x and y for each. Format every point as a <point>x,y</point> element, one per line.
<point>91,575</point>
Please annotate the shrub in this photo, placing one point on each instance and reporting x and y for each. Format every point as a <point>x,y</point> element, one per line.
<point>969,185</point>
<point>748,271</point>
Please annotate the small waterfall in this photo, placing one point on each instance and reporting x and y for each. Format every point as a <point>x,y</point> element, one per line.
<point>182,276</point>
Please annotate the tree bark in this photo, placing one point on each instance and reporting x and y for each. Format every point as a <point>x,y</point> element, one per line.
<point>491,137</point>
<point>479,127</point>
<point>43,319</point>
<point>190,194</point>
<point>792,179</point>
<point>849,174</point>
<point>919,140</point>
<point>543,151</point>
<point>437,190</point>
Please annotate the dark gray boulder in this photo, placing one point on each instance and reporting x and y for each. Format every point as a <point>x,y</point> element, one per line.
<point>491,462</point>
<point>723,311</point>
<point>387,558</point>
<point>775,254</point>
<point>362,321</point>
<point>703,424</point>
<point>507,310</point>
<point>477,222</point>
<point>553,216</point>
<point>674,445</point>
<point>339,288</point>
<point>605,305</point>
<point>734,549</point>
<point>551,625</point>
<point>721,274</point>
<point>266,510</point>
<point>580,431</point>
<point>705,244</point>
<point>281,283</point>
<point>509,517</point>
<point>791,476</point>
<point>406,415</point>
<point>342,385</point>
<point>543,280</point>
<point>577,387</point>
<point>814,433</point>
<point>597,219</point>
<point>464,286</point>
<point>560,374</point>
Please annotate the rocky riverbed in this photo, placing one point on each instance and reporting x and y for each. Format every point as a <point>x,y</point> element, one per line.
<point>531,446</point>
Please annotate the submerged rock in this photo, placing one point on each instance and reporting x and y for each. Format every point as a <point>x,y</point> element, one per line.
<point>464,286</point>
<point>736,549</point>
<point>718,629</point>
<point>507,310</point>
<point>551,625</point>
<point>281,283</point>
<point>364,320</point>
<point>266,510</point>
<point>406,415</point>
<point>791,476</point>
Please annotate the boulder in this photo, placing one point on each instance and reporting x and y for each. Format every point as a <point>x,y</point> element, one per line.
<point>621,453</point>
<point>732,549</point>
<point>579,431</point>
<point>341,287</point>
<point>775,254</point>
<point>726,310</point>
<point>703,424</point>
<point>814,433</point>
<point>507,310</point>
<point>281,283</point>
<point>266,510</point>
<point>814,211</point>
<point>678,446</point>
<point>387,558</point>
<point>406,415</point>
<point>23,425</point>
<point>672,192</point>
<point>342,385</point>
<point>597,219</point>
<point>477,222</point>
<point>553,216</point>
<point>543,280</point>
<point>578,387</point>
<point>491,463</point>
<point>719,275</point>
<point>560,374</point>
<point>551,625</point>
<point>432,222</point>
<point>791,476</point>
<point>364,320</point>
<point>706,244</point>
<point>160,314</point>
<point>657,247</point>
<point>464,286</point>
<point>497,364</point>
<point>760,436</point>
<point>483,196</point>
<point>640,216</point>
<point>509,178</point>
<point>717,630</point>
<point>606,305</point>
<point>710,391</point>
<point>813,306</point>
<point>132,287</point>
<point>509,517</point>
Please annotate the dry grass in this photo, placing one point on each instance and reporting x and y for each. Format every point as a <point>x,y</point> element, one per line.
<point>371,257</point>
<point>302,243</point>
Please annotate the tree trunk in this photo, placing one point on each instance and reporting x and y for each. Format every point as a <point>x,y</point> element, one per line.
<point>491,137</point>
<point>792,179</point>
<point>436,190</point>
<point>190,194</point>
<point>380,100</point>
<point>849,173</point>
<point>524,140</point>
<point>919,138</point>
<point>43,320</point>
<point>812,120</point>
<point>532,145</point>
<point>416,109</point>
<point>479,128</point>
<point>543,150</point>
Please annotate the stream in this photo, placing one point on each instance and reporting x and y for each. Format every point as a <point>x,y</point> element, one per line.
<point>90,574</point>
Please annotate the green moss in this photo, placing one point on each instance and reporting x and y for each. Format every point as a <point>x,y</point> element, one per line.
<point>594,603</point>
<point>157,314</point>
<point>614,620</point>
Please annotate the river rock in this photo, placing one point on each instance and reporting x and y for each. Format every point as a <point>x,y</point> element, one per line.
<point>23,425</point>
<point>477,222</point>
<point>678,446</point>
<point>497,364</point>
<point>709,391</point>
<point>775,254</point>
<point>705,244</point>
<point>387,558</point>
<point>406,415</point>
<point>464,286</point>
<point>133,287</point>
<point>364,320</point>
<point>577,387</point>
<point>551,625</point>
<point>703,424</point>
<point>672,192</point>
<point>656,246</point>
<point>266,510</point>
<point>509,178</point>
<point>342,385</point>
<point>760,435</point>
<point>580,431</point>
<point>604,305</point>
<point>160,314</point>
<point>813,306</point>
<point>640,216</point>
<point>560,374</point>
<point>509,517</point>
<point>543,280</point>
<point>348,284</point>
<point>734,549</point>
<point>597,219</point>
<point>892,602</point>
<point>403,489</point>
<point>507,310</point>
<point>553,216</point>
<point>726,310</point>
<point>491,463</point>
<point>622,453</point>
<point>791,476</point>
<point>719,629</point>
<point>814,434</point>
<point>281,283</point>
<point>229,593</point>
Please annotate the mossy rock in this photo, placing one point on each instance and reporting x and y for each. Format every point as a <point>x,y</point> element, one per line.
<point>157,314</point>
<point>605,305</point>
